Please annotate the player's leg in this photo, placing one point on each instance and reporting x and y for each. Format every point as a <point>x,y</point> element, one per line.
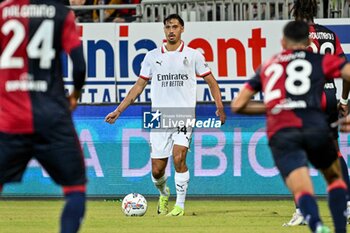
<point>68,171</point>
<point>74,208</point>
<point>323,155</point>
<point>161,144</point>
<point>345,175</point>
<point>345,172</point>
<point>290,157</point>
<point>331,109</point>
<point>182,177</point>
<point>159,179</point>
<point>182,140</point>
<point>15,153</point>
<point>299,182</point>
<point>337,191</point>
<point>58,150</point>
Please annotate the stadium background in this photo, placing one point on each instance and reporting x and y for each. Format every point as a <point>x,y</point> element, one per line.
<point>234,160</point>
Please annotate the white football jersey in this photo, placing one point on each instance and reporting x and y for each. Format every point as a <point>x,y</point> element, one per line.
<point>173,75</point>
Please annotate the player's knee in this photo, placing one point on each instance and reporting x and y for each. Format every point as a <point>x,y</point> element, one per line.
<point>180,166</point>
<point>179,160</point>
<point>331,175</point>
<point>157,173</point>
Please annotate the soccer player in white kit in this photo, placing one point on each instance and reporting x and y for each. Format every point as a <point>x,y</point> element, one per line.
<point>172,69</point>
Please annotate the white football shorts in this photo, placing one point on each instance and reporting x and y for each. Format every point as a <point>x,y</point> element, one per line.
<point>162,142</point>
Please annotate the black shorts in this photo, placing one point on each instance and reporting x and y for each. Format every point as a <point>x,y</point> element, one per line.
<point>293,148</point>
<point>332,110</point>
<point>57,149</point>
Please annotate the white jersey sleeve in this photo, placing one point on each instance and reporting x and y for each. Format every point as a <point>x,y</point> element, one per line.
<point>202,68</point>
<point>146,68</point>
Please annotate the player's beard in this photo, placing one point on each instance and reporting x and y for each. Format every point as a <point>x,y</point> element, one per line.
<point>172,40</point>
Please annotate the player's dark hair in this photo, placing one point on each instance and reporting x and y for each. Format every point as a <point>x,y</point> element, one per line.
<point>304,9</point>
<point>174,16</point>
<point>296,31</point>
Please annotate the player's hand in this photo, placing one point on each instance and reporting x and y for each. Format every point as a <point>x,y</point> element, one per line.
<point>221,113</point>
<point>112,117</point>
<point>343,110</point>
<point>73,100</point>
<point>345,124</point>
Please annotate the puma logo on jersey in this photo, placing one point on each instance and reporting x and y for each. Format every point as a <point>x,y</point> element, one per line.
<point>159,62</point>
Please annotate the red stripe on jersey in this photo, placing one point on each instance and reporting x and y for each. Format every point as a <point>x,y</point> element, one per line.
<point>75,188</point>
<point>205,74</point>
<point>182,46</point>
<point>80,30</point>
<point>249,87</point>
<point>323,101</point>
<point>143,77</point>
<point>16,108</point>
<point>70,35</point>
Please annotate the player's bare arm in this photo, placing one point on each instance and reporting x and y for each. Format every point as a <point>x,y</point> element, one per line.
<point>130,98</point>
<point>243,103</point>
<point>343,104</point>
<point>73,99</point>
<point>345,72</point>
<point>215,92</point>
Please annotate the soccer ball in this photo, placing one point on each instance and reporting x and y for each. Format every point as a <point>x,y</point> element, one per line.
<point>134,204</point>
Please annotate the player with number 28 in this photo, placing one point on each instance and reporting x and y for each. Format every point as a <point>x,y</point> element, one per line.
<point>297,128</point>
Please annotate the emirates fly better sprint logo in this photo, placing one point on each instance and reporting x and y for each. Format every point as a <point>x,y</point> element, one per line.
<point>177,118</point>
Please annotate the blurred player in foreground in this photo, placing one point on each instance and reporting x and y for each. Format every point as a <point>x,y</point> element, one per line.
<point>172,69</point>
<point>324,41</point>
<point>35,114</point>
<point>297,128</point>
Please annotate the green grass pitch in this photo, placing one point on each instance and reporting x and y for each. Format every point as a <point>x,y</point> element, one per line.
<point>247,216</point>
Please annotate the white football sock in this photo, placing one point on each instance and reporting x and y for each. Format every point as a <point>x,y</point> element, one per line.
<point>161,184</point>
<point>181,184</point>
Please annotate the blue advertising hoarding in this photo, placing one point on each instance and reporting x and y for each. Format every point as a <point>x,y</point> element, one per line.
<point>232,160</point>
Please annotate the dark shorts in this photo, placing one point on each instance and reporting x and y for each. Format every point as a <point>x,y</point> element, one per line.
<point>293,148</point>
<point>332,109</point>
<point>57,149</point>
